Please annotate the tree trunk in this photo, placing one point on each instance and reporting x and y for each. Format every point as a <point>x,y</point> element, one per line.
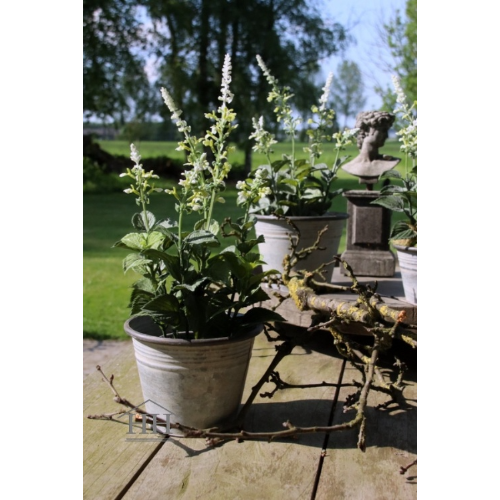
<point>248,157</point>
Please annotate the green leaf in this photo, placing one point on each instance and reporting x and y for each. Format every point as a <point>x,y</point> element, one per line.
<point>343,159</point>
<point>196,307</point>
<point>214,227</point>
<point>165,224</point>
<point>286,188</point>
<point>145,285</point>
<point>303,172</point>
<point>320,166</point>
<point>391,174</point>
<point>253,257</point>
<point>169,237</point>
<point>230,249</point>
<point>139,223</point>
<point>202,237</point>
<point>311,194</point>
<point>391,188</point>
<point>138,299</point>
<point>253,295</point>
<point>249,225</point>
<point>155,240</point>
<point>246,246</point>
<point>193,286</point>
<point>402,231</point>
<point>163,303</point>
<point>394,203</point>
<point>172,262</point>
<point>315,183</point>
<point>278,164</point>
<point>219,269</point>
<point>292,182</point>
<point>239,267</point>
<point>133,241</point>
<point>257,315</point>
<point>199,224</point>
<point>133,260</point>
<point>137,304</point>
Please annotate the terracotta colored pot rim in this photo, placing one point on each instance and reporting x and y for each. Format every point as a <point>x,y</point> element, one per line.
<point>144,329</point>
<point>328,215</point>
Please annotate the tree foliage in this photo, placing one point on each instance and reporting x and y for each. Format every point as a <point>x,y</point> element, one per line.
<point>290,35</point>
<point>189,39</point>
<point>112,67</point>
<point>348,92</point>
<point>400,37</point>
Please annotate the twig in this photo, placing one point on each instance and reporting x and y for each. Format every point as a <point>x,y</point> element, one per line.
<point>118,399</point>
<point>123,401</point>
<point>403,470</point>
<point>281,384</point>
<point>321,326</point>
<point>269,436</point>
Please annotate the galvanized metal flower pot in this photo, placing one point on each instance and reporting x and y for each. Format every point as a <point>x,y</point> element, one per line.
<point>277,242</point>
<point>407,257</point>
<point>199,382</point>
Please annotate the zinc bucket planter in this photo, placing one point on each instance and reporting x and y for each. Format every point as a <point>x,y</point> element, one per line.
<point>199,382</point>
<point>407,257</point>
<point>276,232</point>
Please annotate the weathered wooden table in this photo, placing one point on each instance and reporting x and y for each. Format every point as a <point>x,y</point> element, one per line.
<point>391,290</point>
<point>119,465</point>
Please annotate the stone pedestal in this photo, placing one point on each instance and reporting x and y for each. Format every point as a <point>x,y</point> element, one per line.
<point>368,228</point>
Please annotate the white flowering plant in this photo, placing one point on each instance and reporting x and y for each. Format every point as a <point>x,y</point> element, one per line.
<point>402,196</point>
<point>186,287</point>
<point>294,186</point>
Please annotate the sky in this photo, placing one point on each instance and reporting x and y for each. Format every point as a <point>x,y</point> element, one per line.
<point>363,18</point>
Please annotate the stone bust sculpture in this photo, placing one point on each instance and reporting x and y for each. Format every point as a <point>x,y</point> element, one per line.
<point>370,164</point>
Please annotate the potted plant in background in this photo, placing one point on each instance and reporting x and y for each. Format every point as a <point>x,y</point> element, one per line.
<point>401,197</point>
<point>298,189</point>
<point>192,317</point>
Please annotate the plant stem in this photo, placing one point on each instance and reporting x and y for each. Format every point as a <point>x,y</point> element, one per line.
<point>179,234</point>
<point>143,203</point>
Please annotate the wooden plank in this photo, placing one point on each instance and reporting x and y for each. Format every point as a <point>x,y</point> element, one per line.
<point>109,460</point>
<point>186,468</point>
<point>348,473</point>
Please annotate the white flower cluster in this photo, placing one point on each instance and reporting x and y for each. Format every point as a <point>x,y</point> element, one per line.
<point>400,95</point>
<point>251,191</point>
<point>226,96</point>
<point>142,187</point>
<point>202,184</point>
<point>176,112</point>
<point>281,95</point>
<point>134,155</point>
<point>345,137</point>
<point>323,121</point>
<point>263,139</point>
<point>407,135</point>
<point>323,100</point>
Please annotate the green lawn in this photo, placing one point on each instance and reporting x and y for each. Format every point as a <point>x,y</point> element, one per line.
<point>107,218</point>
<point>153,149</point>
